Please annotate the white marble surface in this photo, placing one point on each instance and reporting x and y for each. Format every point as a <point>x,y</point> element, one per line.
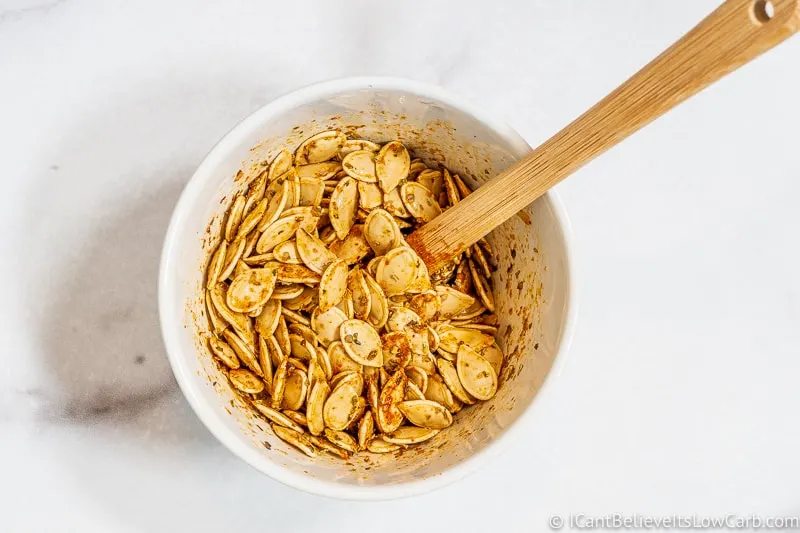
<point>680,394</point>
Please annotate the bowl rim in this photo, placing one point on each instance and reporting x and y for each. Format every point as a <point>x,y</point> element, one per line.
<point>187,381</point>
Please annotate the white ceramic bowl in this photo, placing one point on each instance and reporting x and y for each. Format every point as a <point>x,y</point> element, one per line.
<point>533,291</point>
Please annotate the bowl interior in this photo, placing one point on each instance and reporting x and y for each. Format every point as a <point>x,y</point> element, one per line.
<point>530,285</point>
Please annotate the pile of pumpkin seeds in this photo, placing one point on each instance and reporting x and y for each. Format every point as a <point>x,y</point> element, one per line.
<point>327,323</point>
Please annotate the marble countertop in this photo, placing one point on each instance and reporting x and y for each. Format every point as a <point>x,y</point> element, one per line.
<point>680,391</point>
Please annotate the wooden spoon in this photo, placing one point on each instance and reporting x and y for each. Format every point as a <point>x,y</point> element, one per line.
<point>736,33</point>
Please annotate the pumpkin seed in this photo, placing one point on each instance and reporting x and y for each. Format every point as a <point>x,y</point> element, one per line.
<point>295,438</point>
<point>463,278</point>
<point>476,373</point>
<point>494,355</point>
<point>320,147</point>
<point>471,312</point>
<point>452,338</point>
<point>371,384</point>
<point>217,323</point>
<point>393,204</point>
<point>279,231</point>
<point>316,171</point>
<point>400,318</point>
<point>392,165</point>
<point>418,376</point>
<point>327,324</point>
<point>313,252</point>
<point>340,361</point>
<point>280,165</point>
<point>243,351</point>
<point>419,201</point>
<point>315,407</point>
<point>359,291</point>
<point>396,271</point>
<point>342,439</point>
<point>450,377</point>
<point>286,252</point>
<point>426,305</point>
<point>353,248</point>
<point>333,284</point>
<point>297,417</point>
<point>324,362</point>
<point>370,195</point>
<point>301,348</point>
<point>426,414</point>
<point>288,292</point>
<point>216,264</point>
<point>360,165</point>
<point>251,289</point>
<point>276,353</point>
<point>433,339</point>
<point>234,253</point>
<point>362,342</point>
<point>378,445</point>
<point>351,145</point>
<point>245,381</point>
<point>343,407</point>
<point>354,379</point>
<point>452,192</point>
<point>325,445</point>
<point>282,334</point>
<point>366,429</point>
<point>388,416</point>
<point>234,217</point>
<point>297,274</point>
<point>482,288</point>
<point>413,392</point>
<point>381,232</point>
<point>224,352</point>
<point>278,195</point>
<point>279,383</point>
<point>396,350</point>
<point>306,295</point>
<point>452,301</point>
<point>259,260</point>
<point>265,362</point>
<point>438,392</point>
<point>273,415</point>
<point>344,202</point>
<point>295,390</point>
<point>379,305</point>
<point>410,435</point>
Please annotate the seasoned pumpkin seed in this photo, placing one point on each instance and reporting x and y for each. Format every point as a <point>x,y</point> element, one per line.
<point>426,414</point>
<point>224,352</point>
<point>333,284</point>
<point>314,409</point>
<point>326,324</point>
<point>273,415</point>
<point>297,245</point>
<point>410,435</point>
<point>320,147</point>
<point>392,165</point>
<point>295,438</point>
<point>245,381</point>
<point>362,342</point>
<point>476,373</point>
<point>344,202</point>
<point>360,164</point>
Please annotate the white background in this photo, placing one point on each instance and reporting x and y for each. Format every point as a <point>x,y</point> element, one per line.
<point>680,393</point>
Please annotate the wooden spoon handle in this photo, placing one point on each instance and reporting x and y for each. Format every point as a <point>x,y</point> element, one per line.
<point>737,32</point>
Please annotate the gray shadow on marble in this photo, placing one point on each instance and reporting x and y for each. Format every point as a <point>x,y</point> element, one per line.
<point>103,339</point>
<point>141,453</point>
